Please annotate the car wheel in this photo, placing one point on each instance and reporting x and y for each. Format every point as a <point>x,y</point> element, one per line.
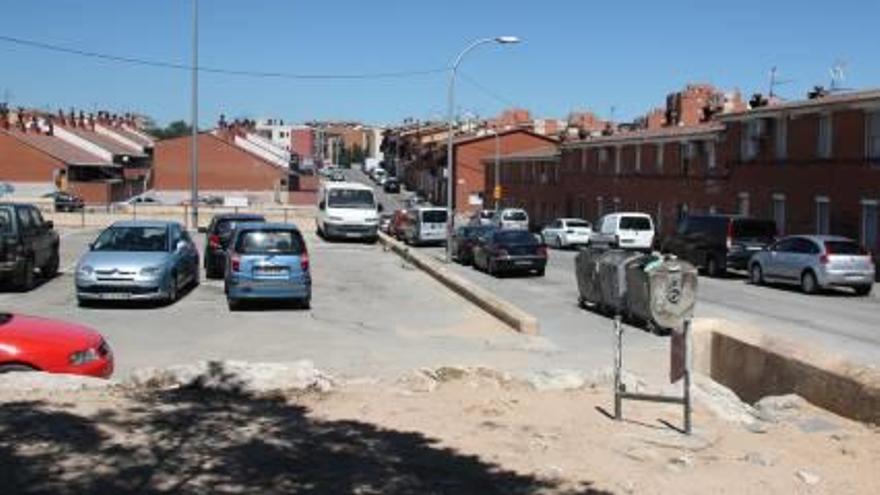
<point>172,289</point>
<point>756,275</point>
<point>540,272</point>
<point>808,283</point>
<point>234,304</point>
<point>491,268</point>
<point>712,267</point>
<point>558,242</point>
<point>582,302</point>
<point>27,278</point>
<point>863,290</point>
<point>51,268</point>
<point>13,368</point>
<point>305,303</point>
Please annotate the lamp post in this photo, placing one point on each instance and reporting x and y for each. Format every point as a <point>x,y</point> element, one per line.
<point>497,184</point>
<point>194,157</point>
<point>450,175</point>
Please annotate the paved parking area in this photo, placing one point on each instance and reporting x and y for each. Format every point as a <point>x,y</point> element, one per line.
<point>372,315</point>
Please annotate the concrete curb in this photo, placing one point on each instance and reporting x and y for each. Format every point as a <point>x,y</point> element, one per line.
<point>518,319</point>
<point>755,365</point>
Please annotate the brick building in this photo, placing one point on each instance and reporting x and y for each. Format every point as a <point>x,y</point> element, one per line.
<point>812,165</point>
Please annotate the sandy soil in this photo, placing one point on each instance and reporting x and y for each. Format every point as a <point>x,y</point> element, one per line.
<point>463,434</point>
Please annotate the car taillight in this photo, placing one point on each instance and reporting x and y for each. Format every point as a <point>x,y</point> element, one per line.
<point>304,261</point>
<point>729,234</point>
<point>235,263</point>
<point>823,259</point>
<point>214,241</point>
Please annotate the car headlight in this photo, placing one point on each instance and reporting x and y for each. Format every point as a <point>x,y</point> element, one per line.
<point>80,358</point>
<point>151,271</point>
<point>85,270</point>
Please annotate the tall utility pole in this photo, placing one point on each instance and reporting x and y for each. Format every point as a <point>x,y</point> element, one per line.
<point>497,189</point>
<point>194,158</point>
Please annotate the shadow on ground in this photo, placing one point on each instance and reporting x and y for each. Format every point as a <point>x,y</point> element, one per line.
<point>194,441</point>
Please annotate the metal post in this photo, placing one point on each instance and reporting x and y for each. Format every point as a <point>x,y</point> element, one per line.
<point>185,214</point>
<point>497,169</point>
<point>194,166</point>
<point>285,215</point>
<point>687,376</point>
<point>618,364</point>
<point>82,217</point>
<point>450,199</point>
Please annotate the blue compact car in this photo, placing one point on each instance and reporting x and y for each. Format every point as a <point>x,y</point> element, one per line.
<point>267,261</point>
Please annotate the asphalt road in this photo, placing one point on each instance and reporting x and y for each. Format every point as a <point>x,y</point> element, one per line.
<point>837,320</point>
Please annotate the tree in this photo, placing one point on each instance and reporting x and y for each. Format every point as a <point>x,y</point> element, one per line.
<point>358,155</point>
<point>175,129</point>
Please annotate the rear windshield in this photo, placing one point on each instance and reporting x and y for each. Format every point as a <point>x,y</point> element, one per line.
<point>577,224</point>
<point>635,223</point>
<point>434,216</point>
<point>518,215</point>
<point>227,225</point>
<point>515,237</point>
<point>754,229</point>
<point>844,247</point>
<point>5,221</point>
<point>269,242</point>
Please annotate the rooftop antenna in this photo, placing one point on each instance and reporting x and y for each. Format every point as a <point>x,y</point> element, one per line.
<point>838,75</point>
<point>774,82</point>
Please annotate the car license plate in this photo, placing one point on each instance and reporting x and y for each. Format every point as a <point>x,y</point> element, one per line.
<point>116,295</point>
<point>271,269</point>
<point>352,234</point>
<point>522,263</point>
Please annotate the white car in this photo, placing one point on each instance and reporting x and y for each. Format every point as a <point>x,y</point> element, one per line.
<point>626,230</point>
<point>511,218</point>
<point>565,232</point>
<point>347,210</point>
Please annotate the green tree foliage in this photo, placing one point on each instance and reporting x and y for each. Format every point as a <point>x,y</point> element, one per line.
<point>175,129</point>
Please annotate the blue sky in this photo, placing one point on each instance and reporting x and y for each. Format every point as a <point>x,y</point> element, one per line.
<point>575,55</point>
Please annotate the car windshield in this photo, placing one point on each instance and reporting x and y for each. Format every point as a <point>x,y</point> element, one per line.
<point>517,215</point>
<point>350,198</point>
<point>227,225</point>
<point>132,239</point>
<point>269,242</point>
<point>635,223</point>
<point>577,224</point>
<point>754,229</point>
<point>844,247</point>
<point>434,216</point>
<point>5,221</point>
<point>515,237</point>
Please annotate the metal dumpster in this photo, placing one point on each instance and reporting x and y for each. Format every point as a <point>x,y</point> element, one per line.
<point>611,274</point>
<point>586,274</point>
<point>661,290</point>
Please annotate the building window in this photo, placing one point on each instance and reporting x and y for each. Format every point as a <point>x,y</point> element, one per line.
<point>781,138</point>
<point>660,157</point>
<point>823,215</point>
<point>752,131</point>
<point>584,160</point>
<point>638,164</point>
<point>617,153</point>
<point>603,157</point>
<point>659,218</point>
<point>710,155</point>
<point>687,156</point>
<point>779,213</point>
<point>616,204</point>
<point>869,224</point>
<point>823,144</point>
<point>743,204</point>
<point>874,136</point>
<point>600,207</point>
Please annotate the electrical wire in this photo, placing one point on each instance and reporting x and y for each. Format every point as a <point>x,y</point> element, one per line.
<point>213,70</point>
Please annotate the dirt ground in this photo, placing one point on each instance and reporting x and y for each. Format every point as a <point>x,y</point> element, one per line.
<point>456,435</point>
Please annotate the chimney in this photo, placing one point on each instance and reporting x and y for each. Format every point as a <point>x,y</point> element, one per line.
<point>222,122</point>
<point>92,121</point>
<point>71,118</point>
<point>61,116</point>
<point>50,122</point>
<point>4,118</point>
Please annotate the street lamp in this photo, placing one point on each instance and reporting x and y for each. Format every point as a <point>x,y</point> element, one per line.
<point>450,184</point>
<point>194,157</point>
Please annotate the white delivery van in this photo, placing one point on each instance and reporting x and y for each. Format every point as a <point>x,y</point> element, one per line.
<point>426,225</point>
<point>347,210</point>
<point>511,218</point>
<point>625,230</point>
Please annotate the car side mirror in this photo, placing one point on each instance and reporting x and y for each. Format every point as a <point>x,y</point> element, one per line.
<point>380,208</point>
<point>322,205</point>
<point>202,230</point>
<point>181,245</point>
<point>91,246</point>
<point>49,224</point>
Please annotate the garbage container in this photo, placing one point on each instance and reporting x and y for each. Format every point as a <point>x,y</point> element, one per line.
<point>661,290</point>
<point>586,273</point>
<point>611,273</point>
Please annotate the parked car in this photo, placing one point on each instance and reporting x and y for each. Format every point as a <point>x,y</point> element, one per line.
<point>268,261</point>
<point>337,176</point>
<point>378,175</point>
<point>217,237</point>
<point>425,225</point>
<point>565,232</point>
<point>509,250</point>
<point>27,242</point>
<point>65,201</point>
<point>391,185</point>
<point>718,242</point>
<point>626,230</point>
<point>815,262</point>
<point>348,210</point>
<point>28,343</point>
<point>482,217</point>
<point>463,240</point>
<point>385,222</point>
<point>138,260</point>
<point>210,200</point>
<point>135,201</point>
<point>511,218</point>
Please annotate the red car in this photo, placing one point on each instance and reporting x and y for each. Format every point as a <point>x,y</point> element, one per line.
<point>28,343</point>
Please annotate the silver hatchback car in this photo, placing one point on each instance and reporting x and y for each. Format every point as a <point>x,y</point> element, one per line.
<point>814,262</point>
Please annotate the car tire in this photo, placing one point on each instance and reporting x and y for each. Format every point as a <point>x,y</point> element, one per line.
<point>50,269</point>
<point>863,290</point>
<point>540,272</point>
<point>808,283</point>
<point>16,368</point>
<point>172,289</point>
<point>27,279</point>
<point>234,304</point>
<point>491,269</point>
<point>756,275</point>
<point>713,268</point>
<point>558,242</point>
<point>305,303</point>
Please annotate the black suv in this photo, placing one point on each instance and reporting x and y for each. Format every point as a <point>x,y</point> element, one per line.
<point>718,242</point>
<point>27,242</point>
<point>65,201</point>
<point>391,185</point>
<point>218,235</point>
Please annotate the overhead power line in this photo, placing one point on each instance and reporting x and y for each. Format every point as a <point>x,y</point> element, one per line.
<point>213,70</point>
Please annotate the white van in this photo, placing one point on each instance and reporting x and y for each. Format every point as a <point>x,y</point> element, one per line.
<point>425,225</point>
<point>626,230</point>
<point>347,210</point>
<point>511,218</point>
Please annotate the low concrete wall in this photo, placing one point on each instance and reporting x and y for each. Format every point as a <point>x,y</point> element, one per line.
<point>518,319</point>
<point>755,365</point>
